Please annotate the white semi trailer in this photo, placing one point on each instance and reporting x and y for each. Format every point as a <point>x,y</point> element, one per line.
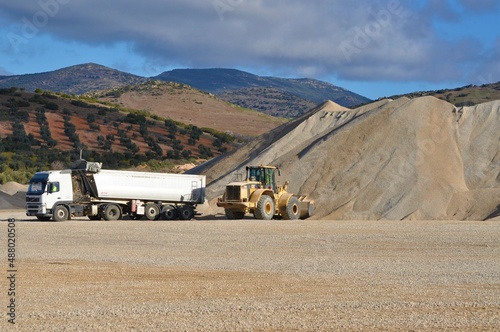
<point>88,190</point>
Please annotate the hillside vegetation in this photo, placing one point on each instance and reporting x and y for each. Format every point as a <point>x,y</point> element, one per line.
<point>463,96</point>
<point>45,130</point>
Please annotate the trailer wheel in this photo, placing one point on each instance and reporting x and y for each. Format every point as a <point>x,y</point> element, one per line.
<point>152,211</point>
<point>112,212</point>
<point>60,213</point>
<point>265,208</point>
<point>186,212</point>
<point>292,209</point>
<point>169,212</point>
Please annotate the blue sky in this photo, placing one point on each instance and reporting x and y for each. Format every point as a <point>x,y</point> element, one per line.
<point>375,48</point>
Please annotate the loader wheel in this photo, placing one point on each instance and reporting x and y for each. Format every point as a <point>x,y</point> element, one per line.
<point>112,212</point>
<point>233,215</point>
<point>292,209</point>
<point>152,211</point>
<point>186,212</point>
<point>265,208</point>
<point>60,213</point>
<point>168,212</point>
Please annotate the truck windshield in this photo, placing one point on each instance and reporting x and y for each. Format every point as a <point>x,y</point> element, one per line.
<point>36,188</point>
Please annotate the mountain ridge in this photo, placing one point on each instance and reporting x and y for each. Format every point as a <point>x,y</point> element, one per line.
<point>289,97</point>
<point>236,87</point>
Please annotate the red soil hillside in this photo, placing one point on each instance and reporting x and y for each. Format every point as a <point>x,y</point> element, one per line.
<point>98,128</point>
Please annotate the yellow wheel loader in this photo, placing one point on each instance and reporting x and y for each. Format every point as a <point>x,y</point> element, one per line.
<point>258,194</point>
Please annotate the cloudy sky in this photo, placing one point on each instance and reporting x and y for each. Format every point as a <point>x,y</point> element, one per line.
<point>375,48</point>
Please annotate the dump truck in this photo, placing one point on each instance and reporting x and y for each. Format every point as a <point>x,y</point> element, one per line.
<point>259,195</point>
<point>88,190</point>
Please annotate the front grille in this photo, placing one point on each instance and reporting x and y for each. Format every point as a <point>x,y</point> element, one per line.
<point>233,193</point>
<point>32,199</point>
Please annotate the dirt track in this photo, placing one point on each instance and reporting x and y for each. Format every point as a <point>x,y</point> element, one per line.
<point>249,275</point>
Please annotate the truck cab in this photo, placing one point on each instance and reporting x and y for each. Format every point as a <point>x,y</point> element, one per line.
<point>47,193</point>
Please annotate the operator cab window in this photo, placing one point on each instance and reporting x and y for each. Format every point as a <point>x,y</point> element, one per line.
<point>54,187</point>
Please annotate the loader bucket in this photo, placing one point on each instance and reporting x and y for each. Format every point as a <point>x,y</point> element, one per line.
<point>306,207</point>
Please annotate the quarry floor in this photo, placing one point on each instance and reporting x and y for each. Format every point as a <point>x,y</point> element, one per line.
<point>250,275</point>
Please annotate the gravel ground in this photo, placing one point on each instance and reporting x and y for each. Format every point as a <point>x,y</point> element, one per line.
<point>249,275</point>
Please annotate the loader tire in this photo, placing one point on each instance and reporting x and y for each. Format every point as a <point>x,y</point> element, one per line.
<point>265,208</point>
<point>292,209</point>
<point>233,215</point>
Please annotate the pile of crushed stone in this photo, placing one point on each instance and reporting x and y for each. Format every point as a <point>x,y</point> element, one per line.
<point>419,158</point>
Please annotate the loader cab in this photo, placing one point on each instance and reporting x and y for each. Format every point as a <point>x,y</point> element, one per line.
<point>263,174</point>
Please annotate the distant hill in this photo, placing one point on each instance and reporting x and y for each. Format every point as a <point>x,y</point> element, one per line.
<point>271,95</point>
<point>73,80</point>
<point>468,95</point>
<point>271,101</point>
<point>188,105</point>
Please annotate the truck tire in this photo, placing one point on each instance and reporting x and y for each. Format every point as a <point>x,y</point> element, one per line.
<point>169,212</point>
<point>60,213</point>
<point>152,211</point>
<point>265,208</point>
<point>112,212</point>
<point>233,215</point>
<point>292,209</point>
<point>186,212</point>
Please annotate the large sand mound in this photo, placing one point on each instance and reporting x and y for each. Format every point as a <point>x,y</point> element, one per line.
<point>395,159</point>
<point>12,195</point>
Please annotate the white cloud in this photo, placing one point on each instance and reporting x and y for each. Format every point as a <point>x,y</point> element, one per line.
<point>351,39</point>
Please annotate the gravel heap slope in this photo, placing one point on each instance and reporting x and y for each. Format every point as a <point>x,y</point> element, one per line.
<point>419,158</point>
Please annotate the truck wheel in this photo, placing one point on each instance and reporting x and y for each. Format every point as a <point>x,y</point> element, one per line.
<point>60,213</point>
<point>265,208</point>
<point>152,211</point>
<point>233,215</point>
<point>292,209</point>
<point>112,212</point>
<point>186,212</point>
<point>168,212</point>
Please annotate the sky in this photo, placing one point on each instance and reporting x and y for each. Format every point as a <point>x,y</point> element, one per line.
<point>375,48</point>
